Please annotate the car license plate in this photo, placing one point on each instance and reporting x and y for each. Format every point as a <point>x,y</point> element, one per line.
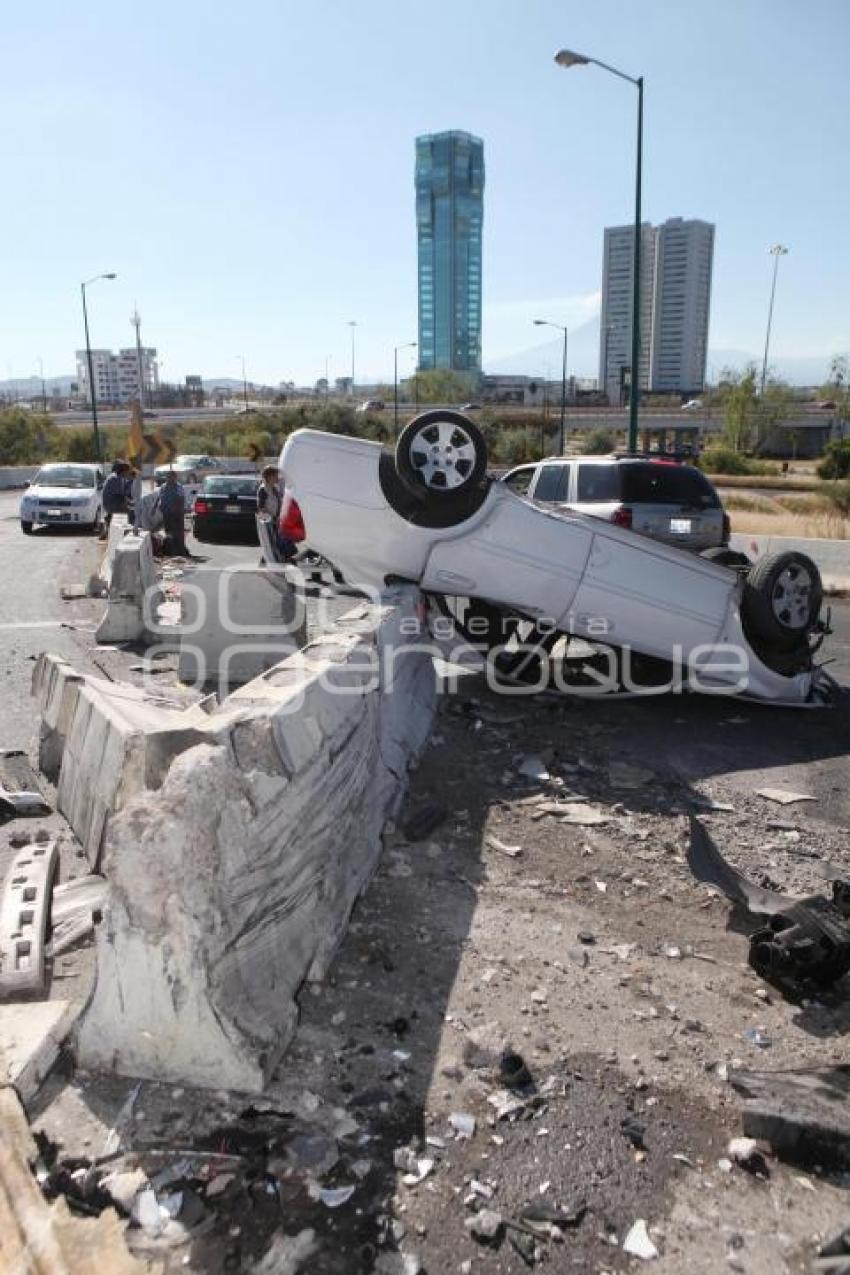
<point>55,513</point>
<point>680,526</point>
<point>232,509</point>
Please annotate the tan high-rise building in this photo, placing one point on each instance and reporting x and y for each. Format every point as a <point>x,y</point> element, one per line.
<point>676,266</point>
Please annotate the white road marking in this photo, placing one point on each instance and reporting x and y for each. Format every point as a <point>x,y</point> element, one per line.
<point>32,624</point>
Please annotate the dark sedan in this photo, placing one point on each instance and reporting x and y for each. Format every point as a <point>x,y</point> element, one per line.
<point>225,509</point>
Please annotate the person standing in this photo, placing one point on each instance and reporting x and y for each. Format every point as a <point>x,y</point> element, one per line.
<point>134,492</point>
<point>114,496</point>
<point>172,503</point>
<point>270,501</point>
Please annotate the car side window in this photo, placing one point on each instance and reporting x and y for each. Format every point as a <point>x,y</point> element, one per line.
<point>598,483</point>
<point>553,483</point>
<point>520,481</point>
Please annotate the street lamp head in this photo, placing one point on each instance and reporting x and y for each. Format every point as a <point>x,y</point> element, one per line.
<point>778,250</point>
<point>109,276</point>
<point>567,58</point>
<point>541,323</point>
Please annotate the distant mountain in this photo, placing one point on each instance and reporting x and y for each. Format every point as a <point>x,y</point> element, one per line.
<point>30,386</point>
<point>583,360</point>
<point>796,370</point>
<point>545,360</point>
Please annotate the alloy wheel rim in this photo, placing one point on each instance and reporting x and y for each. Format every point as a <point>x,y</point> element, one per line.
<point>443,455</point>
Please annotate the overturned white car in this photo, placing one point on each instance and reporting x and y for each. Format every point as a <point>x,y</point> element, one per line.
<point>525,582</point>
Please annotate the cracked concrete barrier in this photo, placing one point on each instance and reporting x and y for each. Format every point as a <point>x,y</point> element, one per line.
<point>103,742</point>
<point>234,882</point>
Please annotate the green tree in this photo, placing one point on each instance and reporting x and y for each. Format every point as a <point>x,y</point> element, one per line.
<point>748,417</point>
<point>25,437</point>
<point>837,388</point>
<point>441,385</point>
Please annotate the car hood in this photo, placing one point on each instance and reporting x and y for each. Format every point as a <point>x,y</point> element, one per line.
<point>58,493</point>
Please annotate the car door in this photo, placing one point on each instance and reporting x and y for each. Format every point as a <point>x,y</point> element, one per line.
<point>519,555</point>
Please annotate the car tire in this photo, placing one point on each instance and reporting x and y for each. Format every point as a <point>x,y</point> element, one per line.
<point>782,598</point>
<point>441,453</point>
<point>726,557</point>
<point>26,528</point>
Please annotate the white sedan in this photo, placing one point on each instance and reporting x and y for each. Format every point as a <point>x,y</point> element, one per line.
<point>63,494</point>
<point>429,514</point>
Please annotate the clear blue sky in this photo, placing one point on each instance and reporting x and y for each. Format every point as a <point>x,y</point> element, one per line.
<point>247,169</point>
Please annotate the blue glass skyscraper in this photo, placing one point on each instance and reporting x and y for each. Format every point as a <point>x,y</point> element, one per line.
<point>449,216</point>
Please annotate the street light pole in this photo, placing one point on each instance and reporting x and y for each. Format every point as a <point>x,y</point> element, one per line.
<point>43,386</point>
<point>408,345</point>
<point>546,323</point>
<point>567,58</point>
<point>777,251</point>
<point>98,454</point>
<point>352,323</point>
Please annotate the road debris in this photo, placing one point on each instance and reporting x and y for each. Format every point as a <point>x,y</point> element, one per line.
<point>747,1153</point>
<point>493,842</point>
<point>803,939</point>
<point>23,919</point>
<point>638,1243</point>
<point>487,1226</point>
<point>334,1197</point>
<point>75,909</point>
<point>804,1113</point>
<point>534,768</point>
<point>463,1124</point>
<point>782,797</point>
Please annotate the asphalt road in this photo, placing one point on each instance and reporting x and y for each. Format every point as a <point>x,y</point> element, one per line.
<point>34,617</point>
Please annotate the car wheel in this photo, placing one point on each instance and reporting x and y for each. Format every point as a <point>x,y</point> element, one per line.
<point>783,596</point>
<point>26,528</point>
<point>726,557</point>
<point>443,453</point>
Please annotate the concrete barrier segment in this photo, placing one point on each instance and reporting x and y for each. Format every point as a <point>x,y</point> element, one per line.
<point>232,879</point>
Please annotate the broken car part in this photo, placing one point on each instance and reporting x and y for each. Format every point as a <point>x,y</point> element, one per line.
<point>802,939</point>
<point>23,919</point>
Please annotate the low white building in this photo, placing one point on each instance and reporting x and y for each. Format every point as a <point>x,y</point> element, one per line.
<point>116,376</point>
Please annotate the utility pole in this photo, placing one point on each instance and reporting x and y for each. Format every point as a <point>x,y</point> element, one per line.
<point>98,453</point>
<point>777,251</point>
<point>352,323</point>
<point>136,321</point>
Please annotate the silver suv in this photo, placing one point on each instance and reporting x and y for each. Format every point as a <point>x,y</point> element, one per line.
<point>654,496</point>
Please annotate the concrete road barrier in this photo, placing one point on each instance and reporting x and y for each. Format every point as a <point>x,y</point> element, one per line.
<point>133,593</point>
<point>17,476</point>
<point>831,556</point>
<point>233,877</point>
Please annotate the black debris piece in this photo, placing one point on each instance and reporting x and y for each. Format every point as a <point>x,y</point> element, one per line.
<point>513,1072</point>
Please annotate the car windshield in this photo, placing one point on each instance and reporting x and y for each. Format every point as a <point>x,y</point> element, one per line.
<point>654,483</point>
<point>224,486</point>
<point>64,476</point>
